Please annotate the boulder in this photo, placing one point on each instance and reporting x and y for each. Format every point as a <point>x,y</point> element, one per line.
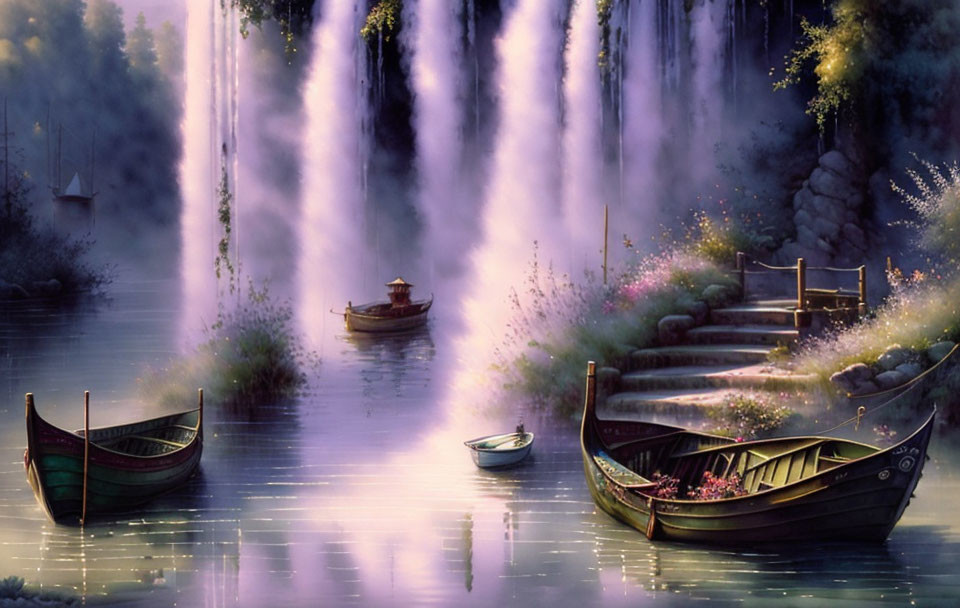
<point>938,351</point>
<point>855,236</point>
<point>835,161</point>
<point>825,229</point>
<point>699,311</point>
<point>828,208</point>
<point>806,237</point>
<point>717,295</point>
<point>850,378</point>
<point>890,379</point>
<point>673,328</point>
<point>803,218</point>
<point>865,388</point>
<point>910,369</point>
<point>893,356</point>
<point>830,184</point>
<point>803,199</point>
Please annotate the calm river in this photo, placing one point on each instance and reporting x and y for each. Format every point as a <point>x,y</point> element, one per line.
<point>361,493</point>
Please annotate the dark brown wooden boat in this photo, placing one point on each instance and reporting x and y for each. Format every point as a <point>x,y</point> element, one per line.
<point>793,488</point>
<point>120,467</point>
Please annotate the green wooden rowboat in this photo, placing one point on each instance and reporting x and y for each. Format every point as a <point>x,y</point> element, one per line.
<point>794,488</point>
<point>127,465</point>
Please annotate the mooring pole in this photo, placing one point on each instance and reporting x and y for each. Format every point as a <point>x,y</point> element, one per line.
<point>606,227</point>
<point>801,282</point>
<point>86,453</point>
<point>200,415</point>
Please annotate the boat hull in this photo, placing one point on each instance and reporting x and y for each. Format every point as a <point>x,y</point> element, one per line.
<point>115,481</point>
<point>489,452</point>
<point>858,500</point>
<point>358,321</point>
<point>861,501</point>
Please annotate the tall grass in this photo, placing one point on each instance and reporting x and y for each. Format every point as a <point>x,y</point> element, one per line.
<point>251,356</point>
<point>558,324</point>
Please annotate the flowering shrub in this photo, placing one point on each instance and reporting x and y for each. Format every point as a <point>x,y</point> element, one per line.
<point>750,416</point>
<point>713,488</point>
<point>559,324</point>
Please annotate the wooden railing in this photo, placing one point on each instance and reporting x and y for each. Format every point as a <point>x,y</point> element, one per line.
<point>808,298</point>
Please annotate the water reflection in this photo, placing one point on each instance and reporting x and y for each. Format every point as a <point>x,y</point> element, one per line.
<point>360,492</point>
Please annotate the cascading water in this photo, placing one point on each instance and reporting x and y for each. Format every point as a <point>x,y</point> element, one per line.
<point>583,187</point>
<point>209,136</point>
<point>643,116</point>
<point>438,118</point>
<point>708,29</point>
<point>523,192</point>
<point>332,199</point>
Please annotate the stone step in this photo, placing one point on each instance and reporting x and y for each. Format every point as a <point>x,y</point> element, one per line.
<point>699,354</point>
<point>752,315</point>
<point>743,334</point>
<point>676,406</point>
<point>759,377</point>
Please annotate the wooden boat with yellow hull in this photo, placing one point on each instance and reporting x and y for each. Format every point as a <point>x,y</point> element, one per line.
<point>120,467</point>
<point>795,488</point>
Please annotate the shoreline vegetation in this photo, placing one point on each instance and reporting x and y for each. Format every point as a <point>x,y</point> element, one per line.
<point>36,261</point>
<point>15,592</point>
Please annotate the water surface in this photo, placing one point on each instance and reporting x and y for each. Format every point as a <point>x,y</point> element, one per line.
<point>361,493</point>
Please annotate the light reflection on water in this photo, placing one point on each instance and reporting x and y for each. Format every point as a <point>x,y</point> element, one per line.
<point>361,493</point>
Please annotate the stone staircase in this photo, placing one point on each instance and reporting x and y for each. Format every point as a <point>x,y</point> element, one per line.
<point>726,356</point>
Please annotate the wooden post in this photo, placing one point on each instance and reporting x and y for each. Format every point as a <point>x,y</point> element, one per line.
<point>862,307</point>
<point>200,414</point>
<point>801,283</point>
<point>741,272</point>
<point>606,226</point>
<point>86,453</point>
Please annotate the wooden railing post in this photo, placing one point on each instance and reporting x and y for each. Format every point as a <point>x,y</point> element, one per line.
<point>801,316</point>
<point>741,273</point>
<point>862,307</point>
<point>801,283</point>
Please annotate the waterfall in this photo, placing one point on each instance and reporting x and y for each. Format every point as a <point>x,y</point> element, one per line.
<point>708,28</point>
<point>209,138</point>
<point>332,195</point>
<point>436,79</point>
<point>523,191</point>
<point>643,116</point>
<point>583,188</point>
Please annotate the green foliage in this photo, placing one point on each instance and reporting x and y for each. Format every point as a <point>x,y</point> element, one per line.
<point>750,416</point>
<point>838,54</point>
<point>11,587</point>
<point>14,592</point>
<point>604,12</point>
<point>290,15</point>
<point>382,20</point>
<point>887,63</point>
<point>937,205</point>
<point>720,240</point>
<point>222,261</point>
<point>251,356</point>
